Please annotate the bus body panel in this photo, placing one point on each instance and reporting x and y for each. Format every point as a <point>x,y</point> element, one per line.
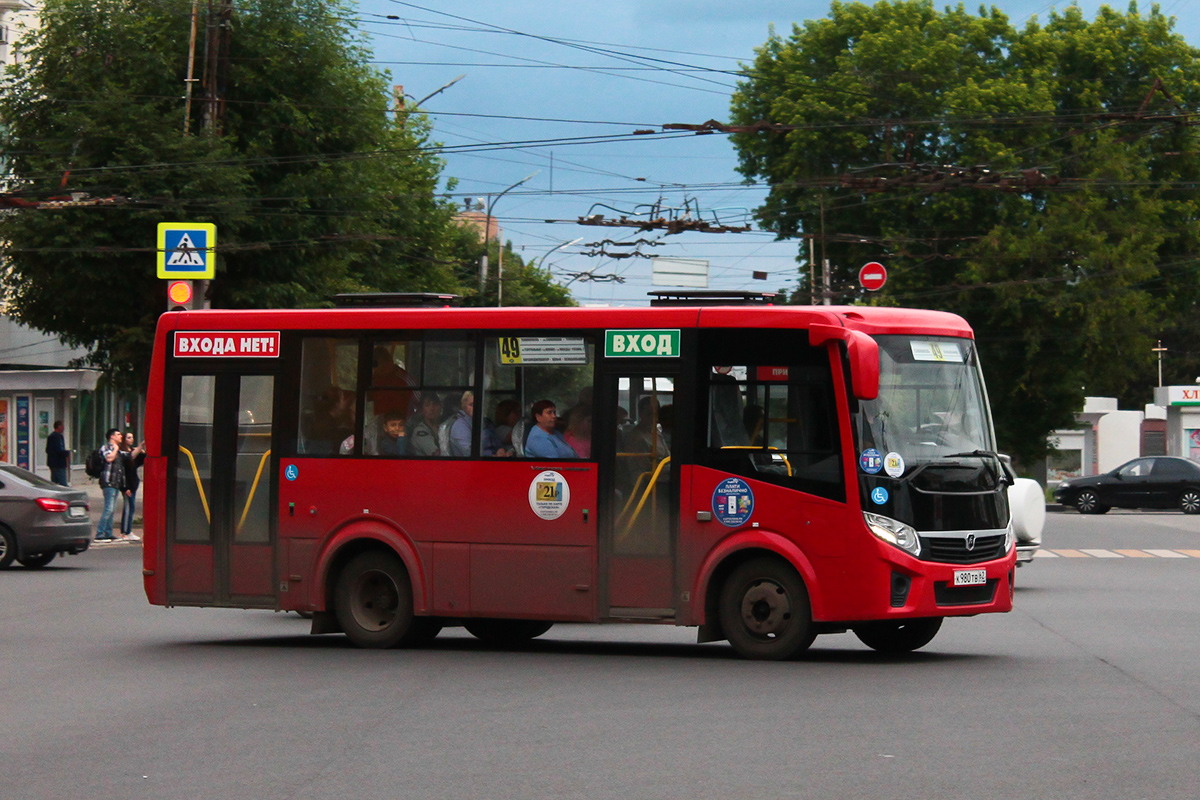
<point>353,533</point>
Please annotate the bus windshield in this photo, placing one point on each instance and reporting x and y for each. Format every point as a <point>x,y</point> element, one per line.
<point>931,405</point>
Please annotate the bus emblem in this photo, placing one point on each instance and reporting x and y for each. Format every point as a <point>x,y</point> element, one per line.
<point>970,541</point>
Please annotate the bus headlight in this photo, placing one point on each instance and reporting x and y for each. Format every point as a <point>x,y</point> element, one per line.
<point>1010,538</point>
<point>894,532</point>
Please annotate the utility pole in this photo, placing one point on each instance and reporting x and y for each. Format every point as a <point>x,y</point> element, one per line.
<point>1160,350</point>
<point>191,70</point>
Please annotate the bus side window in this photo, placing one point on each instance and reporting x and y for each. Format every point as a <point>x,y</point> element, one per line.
<point>328,379</point>
<point>520,371</point>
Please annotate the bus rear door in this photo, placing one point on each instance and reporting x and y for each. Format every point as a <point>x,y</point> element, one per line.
<point>221,488</point>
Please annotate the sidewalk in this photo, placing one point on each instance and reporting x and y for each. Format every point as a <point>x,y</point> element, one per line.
<point>96,508</point>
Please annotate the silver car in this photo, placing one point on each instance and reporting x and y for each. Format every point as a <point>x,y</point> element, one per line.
<point>40,519</point>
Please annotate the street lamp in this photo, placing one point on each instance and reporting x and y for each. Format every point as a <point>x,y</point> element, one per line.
<point>487,229</point>
<point>438,91</point>
<point>542,260</point>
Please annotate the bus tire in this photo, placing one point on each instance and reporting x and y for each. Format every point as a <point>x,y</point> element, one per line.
<point>374,604</point>
<point>898,636</point>
<point>765,612</point>
<point>506,632</point>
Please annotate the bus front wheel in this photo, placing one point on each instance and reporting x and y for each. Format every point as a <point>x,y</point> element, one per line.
<point>765,612</point>
<point>899,636</point>
<point>374,605</point>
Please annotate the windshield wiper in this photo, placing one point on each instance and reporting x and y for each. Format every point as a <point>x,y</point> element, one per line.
<point>1006,473</point>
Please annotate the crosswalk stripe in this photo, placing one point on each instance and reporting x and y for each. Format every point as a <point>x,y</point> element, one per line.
<point>1102,553</point>
<point>1045,554</point>
<point>1166,554</point>
<point>1071,554</point>
<point>1192,553</point>
<point>1135,553</point>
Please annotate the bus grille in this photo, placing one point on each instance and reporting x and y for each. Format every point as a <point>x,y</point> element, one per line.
<point>946,595</point>
<point>954,551</point>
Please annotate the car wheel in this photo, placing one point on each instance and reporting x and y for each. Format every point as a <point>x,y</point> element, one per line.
<point>506,632</point>
<point>1189,501</point>
<point>37,561</point>
<point>900,636</point>
<point>1088,502</point>
<point>8,547</point>
<point>764,611</point>
<point>374,604</point>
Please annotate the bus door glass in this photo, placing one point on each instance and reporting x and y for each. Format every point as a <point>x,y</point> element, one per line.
<point>220,545</point>
<point>641,496</point>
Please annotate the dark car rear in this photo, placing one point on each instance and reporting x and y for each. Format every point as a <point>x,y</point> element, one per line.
<point>40,519</point>
<point>1151,482</point>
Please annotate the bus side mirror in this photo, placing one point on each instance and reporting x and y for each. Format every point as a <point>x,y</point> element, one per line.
<point>861,351</point>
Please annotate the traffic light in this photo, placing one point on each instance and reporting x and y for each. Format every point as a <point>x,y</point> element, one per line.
<point>179,295</point>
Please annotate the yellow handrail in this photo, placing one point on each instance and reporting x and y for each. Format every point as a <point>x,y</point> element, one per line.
<point>253,487</point>
<point>650,486</point>
<point>199,485</point>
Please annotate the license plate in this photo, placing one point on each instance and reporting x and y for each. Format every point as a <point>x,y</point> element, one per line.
<point>970,577</point>
<point>76,512</point>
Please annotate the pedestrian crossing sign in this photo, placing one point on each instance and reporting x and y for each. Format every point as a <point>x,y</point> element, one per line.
<point>186,250</point>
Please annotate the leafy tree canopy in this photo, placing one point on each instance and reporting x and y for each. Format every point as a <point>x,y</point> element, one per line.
<point>314,186</point>
<point>1036,181</point>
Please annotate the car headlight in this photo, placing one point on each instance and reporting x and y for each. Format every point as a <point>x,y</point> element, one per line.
<point>1010,538</point>
<point>894,532</point>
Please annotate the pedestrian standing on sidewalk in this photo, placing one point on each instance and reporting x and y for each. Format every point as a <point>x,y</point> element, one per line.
<point>112,481</point>
<point>58,457</point>
<point>133,457</point>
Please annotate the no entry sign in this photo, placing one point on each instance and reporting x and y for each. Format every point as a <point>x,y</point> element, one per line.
<point>872,276</point>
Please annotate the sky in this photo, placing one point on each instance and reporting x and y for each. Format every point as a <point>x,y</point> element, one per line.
<point>555,90</point>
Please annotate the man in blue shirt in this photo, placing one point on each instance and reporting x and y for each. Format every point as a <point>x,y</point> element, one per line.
<point>544,441</point>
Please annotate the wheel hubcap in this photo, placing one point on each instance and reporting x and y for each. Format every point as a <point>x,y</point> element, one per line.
<point>376,598</point>
<point>1191,502</point>
<point>1087,501</point>
<point>766,609</point>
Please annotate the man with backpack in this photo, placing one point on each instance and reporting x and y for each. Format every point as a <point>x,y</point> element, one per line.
<point>112,481</point>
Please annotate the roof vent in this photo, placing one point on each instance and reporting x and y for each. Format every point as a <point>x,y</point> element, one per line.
<point>395,300</point>
<point>712,297</point>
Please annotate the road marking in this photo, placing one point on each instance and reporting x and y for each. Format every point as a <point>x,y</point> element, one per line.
<point>1166,554</point>
<point>1135,553</point>
<point>1045,554</point>
<point>1071,554</point>
<point>1102,554</point>
<point>1192,553</point>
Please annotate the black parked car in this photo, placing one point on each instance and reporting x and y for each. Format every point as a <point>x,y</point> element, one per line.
<point>40,519</point>
<point>1154,482</point>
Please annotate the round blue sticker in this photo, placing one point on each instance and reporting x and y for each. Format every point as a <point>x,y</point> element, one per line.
<point>879,495</point>
<point>292,472</point>
<point>871,460</point>
<point>732,502</point>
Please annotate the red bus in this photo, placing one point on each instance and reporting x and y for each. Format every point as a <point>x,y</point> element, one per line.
<point>764,473</point>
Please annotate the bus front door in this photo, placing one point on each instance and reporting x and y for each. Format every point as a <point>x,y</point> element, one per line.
<point>641,498</point>
<point>220,536</point>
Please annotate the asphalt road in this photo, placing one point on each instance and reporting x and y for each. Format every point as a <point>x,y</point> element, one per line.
<point>1090,689</point>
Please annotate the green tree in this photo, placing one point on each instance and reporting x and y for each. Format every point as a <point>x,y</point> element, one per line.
<point>314,186</point>
<point>1034,181</point>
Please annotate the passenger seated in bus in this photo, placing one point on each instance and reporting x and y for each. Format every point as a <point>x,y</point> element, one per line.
<point>332,422</point>
<point>579,430</point>
<point>386,372</point>
<point>460,431</point>
<point>544,441</point>
<point>385,436</point>
<point>422,427</point>
<point>507,413</point>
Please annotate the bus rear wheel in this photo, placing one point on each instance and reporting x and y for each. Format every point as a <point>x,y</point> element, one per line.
<point>899,636</point>
<point>506,632</point>
<point>374,605</point>
<point>764,611</point>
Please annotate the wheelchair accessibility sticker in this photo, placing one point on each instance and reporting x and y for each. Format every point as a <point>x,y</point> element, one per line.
<point>549,495</point>
<point>732,502</point>
<point>292,472</point>
<point>879,495</point>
